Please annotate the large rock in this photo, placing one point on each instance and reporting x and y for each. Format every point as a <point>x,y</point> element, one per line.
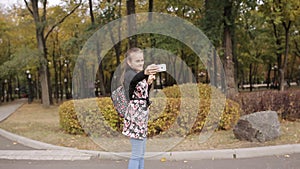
<point>259,126</point>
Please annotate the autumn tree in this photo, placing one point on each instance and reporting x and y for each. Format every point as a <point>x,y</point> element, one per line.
<point>281,15</point>
<point>219,24</point>
<point>252,35</point>
<point>40,19</point>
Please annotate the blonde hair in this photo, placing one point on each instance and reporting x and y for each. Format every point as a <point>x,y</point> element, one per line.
<point>128,56</point>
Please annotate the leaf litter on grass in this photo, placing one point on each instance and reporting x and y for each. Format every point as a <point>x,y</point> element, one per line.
<point>42,124</point>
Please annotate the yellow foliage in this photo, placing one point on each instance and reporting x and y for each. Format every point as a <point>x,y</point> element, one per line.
<point>170,115</point>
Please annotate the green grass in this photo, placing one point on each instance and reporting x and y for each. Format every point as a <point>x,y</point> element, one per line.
<point>42,124</point>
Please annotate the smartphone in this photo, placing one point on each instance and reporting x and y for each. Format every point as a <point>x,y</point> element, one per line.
<point>162,67</point>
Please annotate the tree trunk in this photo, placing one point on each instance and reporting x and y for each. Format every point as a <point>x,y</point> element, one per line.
<point>44,71</point>
<point>117,46</point>
<point>9,90</point>
<point>152,39</point>
<point>292,70</point>
<point>101,74</point>
<point>250,77</point>
<point>117,49</point>
<point>60,78</point>
<point>229,65</point>
<point>43,74</point>
<point>55,72</point>
<point>91,12</point>
<point>227,42</point>
<point>131,23</point>
<point>180,72</point>
<point>215,66</point>
<point>2,92</point>
<point>41,42</point>
<point>284,65</point>
<point>98,52</point>
<point>269,76</point>
<point>278,53</point>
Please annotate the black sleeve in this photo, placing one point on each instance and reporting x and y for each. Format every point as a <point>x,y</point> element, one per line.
<point>136,79</point>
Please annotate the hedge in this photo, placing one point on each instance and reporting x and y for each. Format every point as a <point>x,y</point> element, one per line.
<point>285,103</point>
<point>171,115</point>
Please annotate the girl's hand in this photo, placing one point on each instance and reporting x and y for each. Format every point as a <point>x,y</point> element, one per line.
<point>151,78</point>
<point>151,69</point>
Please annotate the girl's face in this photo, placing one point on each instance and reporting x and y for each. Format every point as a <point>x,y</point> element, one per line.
<point>136,61</point>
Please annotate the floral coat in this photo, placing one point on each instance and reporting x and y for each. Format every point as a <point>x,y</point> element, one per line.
<point>136,117</point>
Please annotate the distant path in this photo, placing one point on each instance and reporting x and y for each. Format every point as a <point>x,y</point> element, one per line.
<point>7,109</point>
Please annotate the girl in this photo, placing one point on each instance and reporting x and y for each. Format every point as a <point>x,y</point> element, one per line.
<point>137,84</point>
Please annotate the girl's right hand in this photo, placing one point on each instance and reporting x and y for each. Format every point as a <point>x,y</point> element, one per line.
<point>151,69</point>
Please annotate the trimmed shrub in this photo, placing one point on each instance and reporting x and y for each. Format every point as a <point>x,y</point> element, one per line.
<point>190,90</point>
<point>229,116</point>
<point>88,116</point>
<point>171,115</point>
<point>68,118</point>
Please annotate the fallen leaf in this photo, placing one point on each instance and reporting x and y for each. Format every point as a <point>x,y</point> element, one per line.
<point>163,159</point>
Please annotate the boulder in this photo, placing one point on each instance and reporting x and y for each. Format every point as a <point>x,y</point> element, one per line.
<point>260,126</point>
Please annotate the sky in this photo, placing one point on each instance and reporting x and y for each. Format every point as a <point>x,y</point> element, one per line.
<point>8,3</point>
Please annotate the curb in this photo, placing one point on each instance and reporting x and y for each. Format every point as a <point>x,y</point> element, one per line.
<point>43,155</point>
<point>41,150</point>
<point>31,143</point>
<point>206,154</point>
<point>177,155</point>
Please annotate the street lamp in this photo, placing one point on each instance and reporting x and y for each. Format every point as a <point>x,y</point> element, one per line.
<point>97,87</point>
<point>201,75</point>
<point>66,63</point>
<point>67,78</point>
<point>274,81</point>
<point>5,90</point>
<point>17,92</point>
<point>28,75</point>
<point>66,87</point>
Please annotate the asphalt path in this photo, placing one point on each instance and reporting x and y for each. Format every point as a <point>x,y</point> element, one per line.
<point>272,162</point>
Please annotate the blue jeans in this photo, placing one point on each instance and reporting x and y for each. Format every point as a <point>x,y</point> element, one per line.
<point>138,148</point>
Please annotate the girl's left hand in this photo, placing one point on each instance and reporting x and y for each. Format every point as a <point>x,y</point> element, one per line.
<point>151,78</point>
